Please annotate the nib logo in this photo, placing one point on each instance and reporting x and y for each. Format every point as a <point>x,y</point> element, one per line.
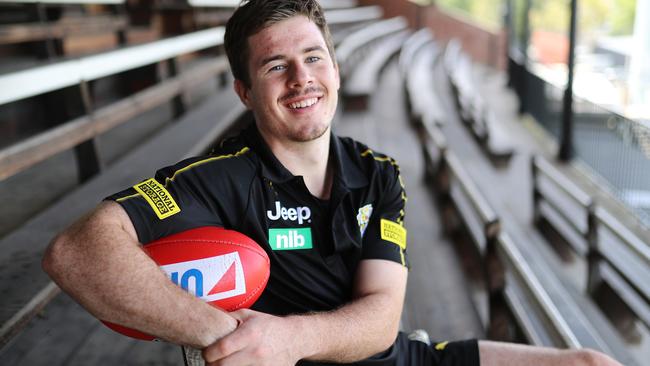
<point>210,279</point>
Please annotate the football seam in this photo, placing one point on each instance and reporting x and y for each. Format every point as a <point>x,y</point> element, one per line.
<point>248,246</point>
<point>252,294</point>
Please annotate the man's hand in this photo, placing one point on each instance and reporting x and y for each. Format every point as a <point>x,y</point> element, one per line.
<point>260,339</point>
<point>363,327</point>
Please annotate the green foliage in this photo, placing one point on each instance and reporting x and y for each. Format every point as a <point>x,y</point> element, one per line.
<point>612,17</point>
<point>485,11</point>
<point>622,17</point>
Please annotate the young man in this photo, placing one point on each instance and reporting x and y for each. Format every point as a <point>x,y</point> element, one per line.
<point>336,299</point>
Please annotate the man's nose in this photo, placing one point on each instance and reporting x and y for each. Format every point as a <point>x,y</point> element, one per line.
<point>300,76</point>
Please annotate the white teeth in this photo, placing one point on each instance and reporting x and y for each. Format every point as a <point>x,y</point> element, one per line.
<point>303,104</point>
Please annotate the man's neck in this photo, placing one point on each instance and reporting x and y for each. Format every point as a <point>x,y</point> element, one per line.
<point>307,159</point>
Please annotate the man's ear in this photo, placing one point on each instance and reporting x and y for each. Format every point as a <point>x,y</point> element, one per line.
<point>242,92</point>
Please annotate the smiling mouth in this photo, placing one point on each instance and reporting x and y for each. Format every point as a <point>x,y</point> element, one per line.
<point>303,103</point>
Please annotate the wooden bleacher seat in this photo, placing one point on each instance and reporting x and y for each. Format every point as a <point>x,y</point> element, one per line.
<point>353,15</point>
<point>615,255</point>
<point>465,209</point>
<point>362,81</point>
<point>425,106</point>
<point>544,311</point>
<point>74,30</point>
<point>351,49</point>
<point>471,106</point>
<point>29,288</point>
<point>79,72</point>
<point>216,12</point>
<point>326,4</point>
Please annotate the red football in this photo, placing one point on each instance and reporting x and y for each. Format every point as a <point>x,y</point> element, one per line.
<point>225,268</point>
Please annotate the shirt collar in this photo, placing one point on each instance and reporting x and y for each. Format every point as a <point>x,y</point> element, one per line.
<point>348,170</point>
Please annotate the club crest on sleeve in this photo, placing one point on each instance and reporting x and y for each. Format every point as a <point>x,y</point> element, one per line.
<point>363,217</point>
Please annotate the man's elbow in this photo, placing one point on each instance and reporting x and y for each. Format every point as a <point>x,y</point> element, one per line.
<point>389,337</point>
<point>57,258</point>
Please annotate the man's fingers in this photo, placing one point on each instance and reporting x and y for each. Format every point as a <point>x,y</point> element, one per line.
<point>223,348</point>
<point>239,358</point>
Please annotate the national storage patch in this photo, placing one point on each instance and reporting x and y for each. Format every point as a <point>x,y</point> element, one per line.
<point>393,232</point>
<point>158,197</point>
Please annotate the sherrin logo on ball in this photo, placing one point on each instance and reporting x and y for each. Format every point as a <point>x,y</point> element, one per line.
<point>223,267</point>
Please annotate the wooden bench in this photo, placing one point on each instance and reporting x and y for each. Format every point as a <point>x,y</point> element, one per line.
<point>362,81</point>
<point>471,106</point>
<point>25,288</point>
<point>615,255</point>
<point>80,132</point>
<point>526,292</point>
<point>352,48</point>
<point>326,4</point>
<point>465,210</point>
<point>342,16</point>
<point>53,32</point>
<point>545,313</point>
<point>434,147</point>
<point>217,12</point>
<point>423,101</point>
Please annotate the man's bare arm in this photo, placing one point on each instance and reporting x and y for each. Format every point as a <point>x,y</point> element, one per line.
<point>100,263</point>
<point>362,328</point>
<point>366,326</point>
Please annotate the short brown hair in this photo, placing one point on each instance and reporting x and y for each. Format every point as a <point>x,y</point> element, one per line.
<point>254,15</point>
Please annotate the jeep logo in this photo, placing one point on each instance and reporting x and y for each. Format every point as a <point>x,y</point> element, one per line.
<point>301,214</point>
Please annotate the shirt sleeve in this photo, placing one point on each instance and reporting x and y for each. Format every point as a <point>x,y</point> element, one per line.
<point>166,204</point>
<point>385,235</point>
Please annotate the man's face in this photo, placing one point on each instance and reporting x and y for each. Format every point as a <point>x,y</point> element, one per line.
<point>294,82</point>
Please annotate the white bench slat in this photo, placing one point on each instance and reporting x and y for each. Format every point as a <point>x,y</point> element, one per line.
<point>359,14</point>
<point>80,2</point>
<point>39,80</point>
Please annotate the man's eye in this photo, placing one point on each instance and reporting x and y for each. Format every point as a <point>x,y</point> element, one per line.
<point>277,68</point>
<point>312,59</point>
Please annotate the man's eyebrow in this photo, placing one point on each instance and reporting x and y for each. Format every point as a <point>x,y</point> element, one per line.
<point>282,57</point>
<point>313,48</point>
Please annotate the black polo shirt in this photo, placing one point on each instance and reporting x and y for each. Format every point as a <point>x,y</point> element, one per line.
<point>314,245</point>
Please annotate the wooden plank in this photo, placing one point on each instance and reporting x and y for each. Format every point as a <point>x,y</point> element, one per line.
<point>23,248</point>
<point>363,80</point>
<point>362,37</point>
<point>425,105</point>
<point>39,80</point>
<point>631,240</point>
<point>412,45</point>
<point>21,156</point>
<point>79,2</point>
<point>479,203</point>
<point>353,15</point>
<point>561,181</point>
<point>12,326</point>
<point>518,264</point>
<point>15,33</point>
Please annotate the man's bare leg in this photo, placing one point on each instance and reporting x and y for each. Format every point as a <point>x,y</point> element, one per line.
<point>506,354</point>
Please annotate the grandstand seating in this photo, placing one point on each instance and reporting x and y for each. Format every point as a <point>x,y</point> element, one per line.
<point>616,256</point>
<point>474,111</point>
<point>540,309</point>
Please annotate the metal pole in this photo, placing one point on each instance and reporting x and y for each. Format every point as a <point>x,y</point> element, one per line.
<point>523,70</point>
<point>566,144</point>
